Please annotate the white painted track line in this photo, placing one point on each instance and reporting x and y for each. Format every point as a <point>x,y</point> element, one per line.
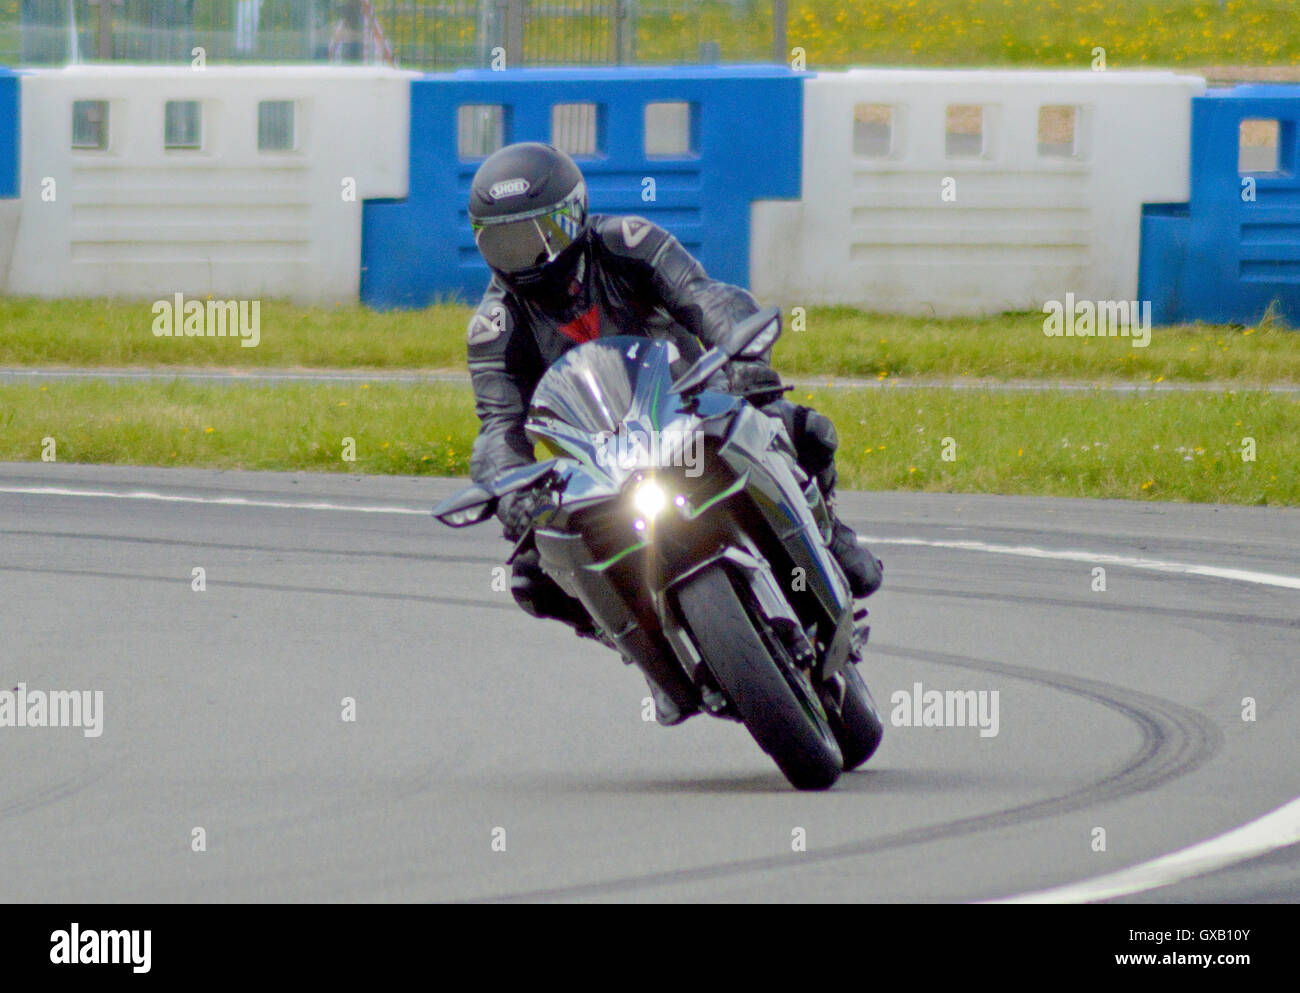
<point>1025,551</point>
<point>219,501</point>
<point>1101,558</point>
<point>1274,830</point>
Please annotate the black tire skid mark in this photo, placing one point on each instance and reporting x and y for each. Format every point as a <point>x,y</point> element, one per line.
<point>1175,741</point>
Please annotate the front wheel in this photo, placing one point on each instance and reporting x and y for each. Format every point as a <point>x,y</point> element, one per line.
<point>856,721</point>
<point>777,705</point>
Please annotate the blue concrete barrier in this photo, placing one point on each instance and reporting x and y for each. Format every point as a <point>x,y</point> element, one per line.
<point>10,132</point>
<point>746,144</point>
<point>1234,247</point>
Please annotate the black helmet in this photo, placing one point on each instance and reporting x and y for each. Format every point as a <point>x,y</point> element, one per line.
<point>528,208</point>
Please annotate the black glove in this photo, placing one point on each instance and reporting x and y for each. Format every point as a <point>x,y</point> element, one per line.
<point>515,511</point>
<point>757,381</point>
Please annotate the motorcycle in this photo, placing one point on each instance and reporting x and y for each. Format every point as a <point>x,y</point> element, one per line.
<point>678,515</point>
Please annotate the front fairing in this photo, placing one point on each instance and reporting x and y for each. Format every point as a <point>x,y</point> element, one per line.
<point>608,405</point>
<point>606,409</point>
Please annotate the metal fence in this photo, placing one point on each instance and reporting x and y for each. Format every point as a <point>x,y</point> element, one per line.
<point>414,34</point>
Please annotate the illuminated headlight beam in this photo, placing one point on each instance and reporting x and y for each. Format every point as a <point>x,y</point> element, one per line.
<point>649,498</point>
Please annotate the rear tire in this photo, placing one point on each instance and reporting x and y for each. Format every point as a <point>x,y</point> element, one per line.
<point>779,707</point>
<point>857,724</point>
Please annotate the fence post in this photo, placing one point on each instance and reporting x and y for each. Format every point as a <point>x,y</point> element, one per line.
<point>618,12</point>
<point>623,15</point>
<point>514,32</point>
<point>104,33</point>
<point>780,54</point>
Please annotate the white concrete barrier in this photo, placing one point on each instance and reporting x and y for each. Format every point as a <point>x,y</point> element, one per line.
<point>251,201</point>
<point>10,211</point>
<point>910,207</point>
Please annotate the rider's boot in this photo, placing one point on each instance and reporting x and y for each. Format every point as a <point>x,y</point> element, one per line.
<point>815,442</point>
<point>667,713</point>
<point>863,570</point>
<point>538,594</point>
<point>541,596</point>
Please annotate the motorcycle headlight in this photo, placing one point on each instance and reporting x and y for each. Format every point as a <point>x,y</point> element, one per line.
<point>649,498</point>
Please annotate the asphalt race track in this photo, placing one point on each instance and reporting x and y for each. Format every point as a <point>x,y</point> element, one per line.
<point>1119,710</point>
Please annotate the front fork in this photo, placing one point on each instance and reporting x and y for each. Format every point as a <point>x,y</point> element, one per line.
<point>767,596</point>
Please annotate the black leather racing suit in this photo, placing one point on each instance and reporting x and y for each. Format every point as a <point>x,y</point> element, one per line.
<point>632,278</point>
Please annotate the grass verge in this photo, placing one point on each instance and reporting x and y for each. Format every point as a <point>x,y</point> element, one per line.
<point>396,430</point>
<point>834,341</point>
<point>1058,33</point>
<point>840,341</point>
<point>98,332</point>
<point>841,32</point>
<point>1183,447</point>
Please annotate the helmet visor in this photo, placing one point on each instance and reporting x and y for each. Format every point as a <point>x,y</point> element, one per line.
<point>523,242</point>
<point>521,245</point>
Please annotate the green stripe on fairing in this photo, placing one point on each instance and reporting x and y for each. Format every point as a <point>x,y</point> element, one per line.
<point>602,566</point>
<point>732,490</point>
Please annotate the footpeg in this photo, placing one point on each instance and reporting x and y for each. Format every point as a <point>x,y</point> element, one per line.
<point>667,713</point>
<point>861,629</point>
<point>714,702</point>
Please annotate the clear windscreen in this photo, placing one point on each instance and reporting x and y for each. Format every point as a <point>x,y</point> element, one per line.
<point>593,387</point>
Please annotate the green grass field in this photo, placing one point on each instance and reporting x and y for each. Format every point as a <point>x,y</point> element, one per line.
<point>1134,33</point>
<point>836,341</point>
<point>844,342</point>
<point>971,33</point>
<point>1185,447</point>
<point>836,33</point>
<point>397,430</point>
<point>119,333</point>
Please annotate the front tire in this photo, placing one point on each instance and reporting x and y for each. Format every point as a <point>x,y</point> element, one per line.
<point>779,707</point>
<point>856,722</point>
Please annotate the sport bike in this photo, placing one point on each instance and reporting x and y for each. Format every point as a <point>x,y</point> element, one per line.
<point>677,514</point>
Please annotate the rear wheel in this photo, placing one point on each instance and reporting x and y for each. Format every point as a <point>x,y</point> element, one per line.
<point>856,722</point>
<point>774,698</point>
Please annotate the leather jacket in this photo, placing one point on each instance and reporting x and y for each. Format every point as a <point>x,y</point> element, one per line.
<point>631,278</point>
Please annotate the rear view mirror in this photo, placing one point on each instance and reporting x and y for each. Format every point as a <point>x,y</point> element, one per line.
<point>698,374</point>
<point>753,336</point>
<point>523,477</point>
<point>477,503</point>
<point>470,506</point>
<point>749,339</point>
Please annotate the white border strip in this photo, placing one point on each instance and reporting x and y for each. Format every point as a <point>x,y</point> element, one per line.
<point>1274,830</point>
<point>1024,551</point>
<point>1101,558</point>
<point>219,501</point>
<point>256,376</point>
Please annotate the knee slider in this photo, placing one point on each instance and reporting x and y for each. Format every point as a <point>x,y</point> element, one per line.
<point>528,582</point>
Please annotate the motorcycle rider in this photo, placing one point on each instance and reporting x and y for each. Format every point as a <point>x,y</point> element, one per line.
<point>561,278</point>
